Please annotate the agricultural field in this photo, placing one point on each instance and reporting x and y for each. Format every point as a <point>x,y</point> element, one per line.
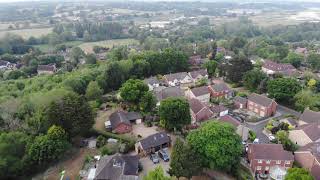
<point>26,33</point>
<point>87,47</point>
<point>49,48</point>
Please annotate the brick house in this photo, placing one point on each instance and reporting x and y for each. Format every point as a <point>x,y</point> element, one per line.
<point>199,111</point>
<point>305,134</point>
<point>220,90</point>
<point>153,143</point>
<point>308,157</point>
<point>121,122</point>
<point>201,93</point>
<point>261,105</point>
<point>308,116</point>
<point>264,156</point>
<point>271,68</point>
<point>240,102</point>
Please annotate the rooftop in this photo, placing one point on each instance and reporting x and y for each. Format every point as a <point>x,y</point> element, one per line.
<point>270,152</point>
<point>260,99</point>
<point>199,91</point>
<point>155,140</point>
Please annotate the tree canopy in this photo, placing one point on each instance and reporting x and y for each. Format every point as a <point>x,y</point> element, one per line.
<point>283,89</point>
<point>298,174</point>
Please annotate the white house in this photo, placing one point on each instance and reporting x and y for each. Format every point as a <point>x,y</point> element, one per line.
<point>176,79</point>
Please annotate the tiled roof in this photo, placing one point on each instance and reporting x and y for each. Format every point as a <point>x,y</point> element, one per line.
<point>199,91</point>
<point>241,100</point>
<point>178,76</point>
<point>314,148</point>
<point>195,74</point>
<point>270,152</point>
<point>155,140</point>
<point>123,117</point>
<point>274,66</point>
<point>152,80</point>
<point>169,92</point>
<point>260,99</point>
<point>195,105</point>
<point>312,130</point>
<point>220,87</point>
<point>230,119</point>
<point>218,108</point>
<point>309,116</point>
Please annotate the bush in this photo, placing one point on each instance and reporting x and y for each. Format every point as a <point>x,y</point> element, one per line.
<point>101,141</point>
<point>105,151</point>
<point>252,136</point>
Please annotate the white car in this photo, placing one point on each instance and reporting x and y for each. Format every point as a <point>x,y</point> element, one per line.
<point>256,141</point>
<point>271,137</point>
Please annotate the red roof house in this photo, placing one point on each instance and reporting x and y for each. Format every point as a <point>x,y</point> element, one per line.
<point>262,105</point>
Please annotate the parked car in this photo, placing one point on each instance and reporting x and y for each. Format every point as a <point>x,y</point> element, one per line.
<point>164,155</point>
<point>271,137</point>
<point>154,158</point>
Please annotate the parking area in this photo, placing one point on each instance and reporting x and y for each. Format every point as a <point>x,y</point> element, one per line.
<point>148,165</point>
<point>143,131</point>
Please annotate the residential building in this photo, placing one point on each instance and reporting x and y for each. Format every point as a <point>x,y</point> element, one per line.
<point>198,75</point>
<point>261,105</point>
<point>121,122</point>
<point>241,130</point>
<point>152,82</point>
<point>165,93</point>
<point>308,157</point>
<point>305,134</point>
<point>153,143</point>
<point>117,167</point>
<point>178,79</point>
<point>240,102</point>
<point>46,69</point>
<point>308,116</point>
<point>219,110</point>
<point>264,156</point>
<point>199,111</point>
<point>196,61</point>
<point>271,68</point>
<point>220,90</point>
<point>201,93</point>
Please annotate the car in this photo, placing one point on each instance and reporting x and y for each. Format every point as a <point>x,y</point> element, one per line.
<point>271,137</point>
<point>256,141</point>
<point>164,155</point>
<point>154,158</point>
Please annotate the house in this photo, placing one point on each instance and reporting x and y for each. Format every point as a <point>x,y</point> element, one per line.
<point>4,65</point>
<point>264,156</point>
<point>261,105</point>
<point>308,157</point>
<point>165,93</point>
<point>308,116</point>
<point>152,82</point>
<point>305,134</point>
<point>219,110</point>
<point>121,122</point>
<point>271,68</point>
<point>201,93</point>
<point>153,143</point>
<point>241,130</point>
<point>178,79</point>
<point>219,90</point>
<point>195,60</point>
<point>117,167</point>
<point>46,69</point>
<point>199,111</point>
<point>240,102</point>
<point>198,75</point>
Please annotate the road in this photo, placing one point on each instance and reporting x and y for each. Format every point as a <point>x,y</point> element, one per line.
<point>258,128</point>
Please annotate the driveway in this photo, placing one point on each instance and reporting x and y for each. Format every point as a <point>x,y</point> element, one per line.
<point>143,131</point>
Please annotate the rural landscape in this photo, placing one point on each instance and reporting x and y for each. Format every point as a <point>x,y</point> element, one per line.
<point>159,90</point>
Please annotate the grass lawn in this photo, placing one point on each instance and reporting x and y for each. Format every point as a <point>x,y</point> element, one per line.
<point>48,48</point>
<point>26,33</point>
<point>87,47</point>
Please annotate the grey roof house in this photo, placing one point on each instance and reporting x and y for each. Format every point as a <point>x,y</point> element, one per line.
<point>309,116</point>
<point>168,92</point>
<point>153,143</point>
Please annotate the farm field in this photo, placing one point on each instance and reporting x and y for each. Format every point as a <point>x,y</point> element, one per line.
<point>26,33</point>
<point>48,48</point>
<point>87,47</point>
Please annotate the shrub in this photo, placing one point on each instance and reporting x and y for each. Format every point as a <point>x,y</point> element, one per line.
<point>105,151</point>
<point>101,141</point>
<point>252,136</point>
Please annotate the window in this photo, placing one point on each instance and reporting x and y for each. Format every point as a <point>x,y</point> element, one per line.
<point>258,168</point>
<point>287,162</point>
<point>268,162</point>
<point>278,162</point>
<point>259,161</point>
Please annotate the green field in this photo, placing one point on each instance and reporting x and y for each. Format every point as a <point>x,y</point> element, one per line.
<point>48,48</point>
<point>87,47</point>
<point>26,33</point>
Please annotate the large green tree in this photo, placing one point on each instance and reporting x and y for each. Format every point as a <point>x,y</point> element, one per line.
<point>237,67</point>
<point>174,113</point>
<point>72,113</point>
<point>181,165</point>
<point>147,102</point>
<point>283,89</point>
<point>314,61</point>
<point>133,90</point>
<point>211,67</point>
<point>298,174</point>
<point>93,92</point>
<point>252,79</point>
<point>218,144</point>
<point>156,174</point>
<point>294,59</point>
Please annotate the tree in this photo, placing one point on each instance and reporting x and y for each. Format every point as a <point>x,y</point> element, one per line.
<point>252,79</point>
<point>140,69</point>
<point>156,174</point>
<point>148,102</point>
<point>75,54</point>
<point>16,74</point>
<point>181,165</point>
<point>294,59</point>
<point>91,59</point>
<point>113,76</point>
<point>72,113</point>
<point>237,67</point>
<point>314,61</point>
<point>93,92</point>
<point>211,67</point>
<point>174,113</point>
<point>298,174</point>
<point>218,144</point>
<point>133,90</point>
<point>305,99</point>
<point>283,89</point>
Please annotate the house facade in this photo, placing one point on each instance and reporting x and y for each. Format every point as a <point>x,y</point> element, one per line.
<point>240,102</point>
<point>153,143</point>
<point>262,157</point>
<point>308,157</point>
<point>220,90</point>
<point>201,93</point>
<point>120,122</point>
<point>199,111</point>
<point>261,105</point>
<point>178,79</point>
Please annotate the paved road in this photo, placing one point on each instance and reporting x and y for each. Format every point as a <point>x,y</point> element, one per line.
<point>284,110</point>
<point>258,128</point>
